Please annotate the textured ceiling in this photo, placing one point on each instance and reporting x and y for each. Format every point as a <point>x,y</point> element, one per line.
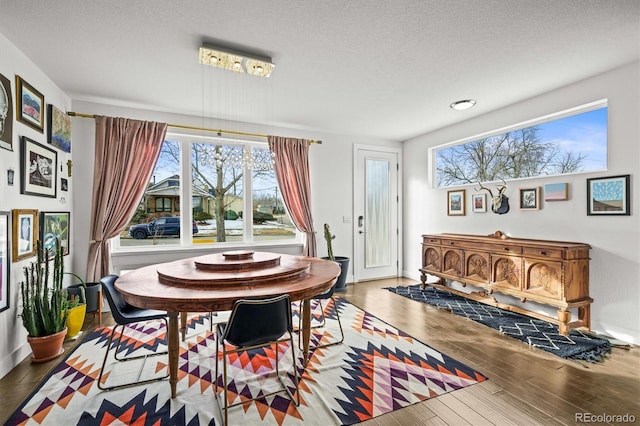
<point>386,69</point>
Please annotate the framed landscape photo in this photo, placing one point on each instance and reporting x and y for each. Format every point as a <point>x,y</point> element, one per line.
<point>530,198</point>
<point>29,105</point>
<point>59,134</point>
<point>609,196</point>
<point>54,225</point>
<point>456,202</point>
<point>38,169</point>
<point>24,233</point>
<point>556,192</point>
<point>4,261</point>
<point>479,202</point>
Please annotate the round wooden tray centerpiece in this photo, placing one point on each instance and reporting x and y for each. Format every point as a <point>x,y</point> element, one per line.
<point>232,268</point>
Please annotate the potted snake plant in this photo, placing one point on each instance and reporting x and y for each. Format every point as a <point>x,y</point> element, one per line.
<point>44,304</point>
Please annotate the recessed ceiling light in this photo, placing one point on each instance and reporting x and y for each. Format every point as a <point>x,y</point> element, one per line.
<point>462,105</point>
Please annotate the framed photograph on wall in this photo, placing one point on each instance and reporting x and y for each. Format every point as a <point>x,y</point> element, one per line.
<point>456,202</point>
<point>55,225</point>
<point>6,114</point>
<point>4,261</point>
<point>29,105</point>
<point>479,202</point>
<point>59,134</point>
<point>556,192</point>
<point>24,233</point>
<point>38,169</point>
<point>530,198</point>
<point>609,196</point>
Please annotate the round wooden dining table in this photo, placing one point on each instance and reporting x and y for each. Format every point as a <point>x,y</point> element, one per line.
<point>214,282</point>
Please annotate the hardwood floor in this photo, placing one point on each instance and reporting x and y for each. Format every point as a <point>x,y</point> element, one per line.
<point>525,387</point>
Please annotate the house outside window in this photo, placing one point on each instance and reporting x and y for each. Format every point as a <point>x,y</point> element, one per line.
<point>228,187</point>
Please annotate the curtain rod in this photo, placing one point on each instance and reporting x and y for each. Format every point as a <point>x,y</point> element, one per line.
<point>205,129</point>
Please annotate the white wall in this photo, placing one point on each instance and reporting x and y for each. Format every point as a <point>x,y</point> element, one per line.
<point>13,337</point>
<point>615,240</point>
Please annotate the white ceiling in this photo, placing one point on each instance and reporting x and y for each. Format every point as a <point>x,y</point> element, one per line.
<point>386,69</point>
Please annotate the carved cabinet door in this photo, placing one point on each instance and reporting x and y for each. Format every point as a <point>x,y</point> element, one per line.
<point>477,267</point>
<point>544,278</point>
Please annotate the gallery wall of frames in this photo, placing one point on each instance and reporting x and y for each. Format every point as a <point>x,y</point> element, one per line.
<point>35,142</point>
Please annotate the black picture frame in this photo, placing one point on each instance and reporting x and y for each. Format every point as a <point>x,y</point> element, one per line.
<point>609,196</point>
<point>530,198</point>
<point>30,105</point>
<point>52,225</point>
<point>38,169</point>
<point>5,260</point>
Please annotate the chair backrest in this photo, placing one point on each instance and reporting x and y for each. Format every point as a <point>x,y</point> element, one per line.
<point>255,322</point>
<point>114,298</point>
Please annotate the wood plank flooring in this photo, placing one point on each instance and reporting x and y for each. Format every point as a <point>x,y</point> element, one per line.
<point>525,387</point>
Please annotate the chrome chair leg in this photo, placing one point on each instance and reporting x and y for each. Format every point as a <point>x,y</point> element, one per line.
<point>125,359</point>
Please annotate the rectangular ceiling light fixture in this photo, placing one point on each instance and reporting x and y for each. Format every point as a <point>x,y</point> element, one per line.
<point>236,61</point>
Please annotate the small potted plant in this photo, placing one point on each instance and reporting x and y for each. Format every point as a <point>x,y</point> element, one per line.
<point>90,292</point>
<point>44,305</point>
<point>76,311</point>
<point>341,283</point>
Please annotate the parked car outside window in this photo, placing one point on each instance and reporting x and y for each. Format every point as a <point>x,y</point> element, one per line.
<point>161,227</point>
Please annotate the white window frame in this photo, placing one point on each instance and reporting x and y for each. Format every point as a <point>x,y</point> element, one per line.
<point>186,193</point>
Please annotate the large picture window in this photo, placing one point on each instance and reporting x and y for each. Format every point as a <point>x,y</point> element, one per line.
<point>565,143</point>
<point>228,187</point>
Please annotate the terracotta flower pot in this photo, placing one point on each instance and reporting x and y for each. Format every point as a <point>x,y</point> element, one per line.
<point>47,347</point>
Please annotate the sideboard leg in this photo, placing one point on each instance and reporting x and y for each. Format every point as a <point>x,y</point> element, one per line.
<point>584,315</point>
<point>564,317</point>
<point>423,279</point>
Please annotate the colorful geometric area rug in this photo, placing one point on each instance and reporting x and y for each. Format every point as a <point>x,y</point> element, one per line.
<point>540,334</point>
<point>376,370</point>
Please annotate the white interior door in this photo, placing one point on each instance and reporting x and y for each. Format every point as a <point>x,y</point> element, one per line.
<point>376,207</point>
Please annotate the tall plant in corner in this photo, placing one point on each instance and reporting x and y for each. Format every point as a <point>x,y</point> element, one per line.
<point>329,238</point>
<point>341,283</point>
<point>44,300</point>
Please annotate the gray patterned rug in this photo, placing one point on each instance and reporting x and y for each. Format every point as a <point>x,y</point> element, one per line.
<point>540,334</point>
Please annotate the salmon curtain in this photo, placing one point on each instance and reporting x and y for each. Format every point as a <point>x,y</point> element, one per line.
<point>125,156</point>
<point>291,158</point>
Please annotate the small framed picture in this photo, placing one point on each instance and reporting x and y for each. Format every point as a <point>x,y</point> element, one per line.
<point>4,261</point>
<point>10,177</point>
<point>479,202</point>
<point>530,198</point>
<point>24,233</point>
<point>37,169</point>
<point>59,129</point>
<point>29,105</point>
<point>456,202</point>
<point>556,192</point>
<point>54,225</point>
<point>64,185</point>
<point>609,196</point>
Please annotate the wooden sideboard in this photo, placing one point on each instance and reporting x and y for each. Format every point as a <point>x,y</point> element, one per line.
<point>554,273</point>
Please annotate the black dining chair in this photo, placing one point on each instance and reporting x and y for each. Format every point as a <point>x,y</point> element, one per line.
<point>254,324</point>
<point>327,295</point>
<point>125,314</point>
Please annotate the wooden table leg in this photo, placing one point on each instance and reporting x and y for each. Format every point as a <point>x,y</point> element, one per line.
<point>306,330</point>
<point>183,325</point>
<point>174,351</point>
